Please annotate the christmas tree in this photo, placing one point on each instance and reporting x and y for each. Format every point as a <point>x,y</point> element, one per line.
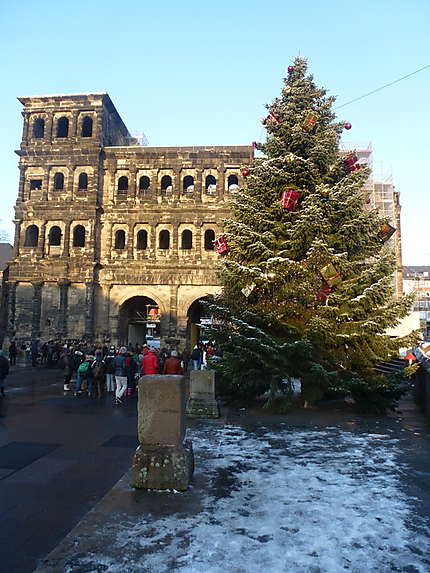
<point>306,271</point>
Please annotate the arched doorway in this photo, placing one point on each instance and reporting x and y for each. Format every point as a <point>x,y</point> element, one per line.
<point>139,321</point>
<point>197,315</point>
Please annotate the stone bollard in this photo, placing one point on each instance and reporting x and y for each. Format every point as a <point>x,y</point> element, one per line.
<point>162,460</point>
<point>202,403</point>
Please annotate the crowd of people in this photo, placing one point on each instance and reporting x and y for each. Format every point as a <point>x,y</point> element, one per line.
<point>100,370</point>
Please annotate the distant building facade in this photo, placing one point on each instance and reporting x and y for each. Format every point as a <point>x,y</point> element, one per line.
<point>114,240</point>
<point>416,279</point>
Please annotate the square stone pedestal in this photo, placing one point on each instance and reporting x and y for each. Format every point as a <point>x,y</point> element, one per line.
<point>163,459</point>
<point>202,403</point>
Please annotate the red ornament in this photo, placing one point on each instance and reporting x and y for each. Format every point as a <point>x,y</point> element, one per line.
<point>323,293</point>
<point>347,125</point>
<point>350,162</point>
<point>270,117</point>
<point>289,199</point>
<point>245,172</point>
<point>254,144</point>
<point>291,69</point>
<point>221,245</point>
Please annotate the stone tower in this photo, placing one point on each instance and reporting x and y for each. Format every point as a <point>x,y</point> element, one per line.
<point>113,240</point>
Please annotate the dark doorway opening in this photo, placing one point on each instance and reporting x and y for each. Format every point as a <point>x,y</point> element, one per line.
<point>197,315</point>
<point>139,322</point>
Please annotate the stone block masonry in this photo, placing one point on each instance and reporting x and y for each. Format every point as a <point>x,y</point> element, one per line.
<point>163,459</point>
<point>202,403</point>
<point>106,228</point>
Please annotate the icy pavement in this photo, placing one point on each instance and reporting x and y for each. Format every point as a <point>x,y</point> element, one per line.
<point>285,500</point>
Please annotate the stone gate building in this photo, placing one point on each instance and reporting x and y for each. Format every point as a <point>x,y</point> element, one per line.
<point>113,240</point>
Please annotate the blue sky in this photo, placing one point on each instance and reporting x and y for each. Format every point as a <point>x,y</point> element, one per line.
<point>195,73</point>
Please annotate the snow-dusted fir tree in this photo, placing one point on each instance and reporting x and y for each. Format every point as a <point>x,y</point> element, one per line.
<point>307,279</point>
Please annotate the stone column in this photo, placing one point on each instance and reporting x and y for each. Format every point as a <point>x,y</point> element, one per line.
<point>17,238</point>
<point>105,323</point>
<point>89,311</point>
<point>66,246</point>
<point>42,241</point>
<point>37,310</point>
<point>163,459</point>
<point>132,185</point>
<point>198,185</point>
<point>64,303</point>
<point>173,310</point>
<point>26,127</point>
<point>202,403</point>
<point>11,309</point>
<point>49,126</point>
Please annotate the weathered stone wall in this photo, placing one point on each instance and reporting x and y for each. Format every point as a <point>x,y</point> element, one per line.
<point>24,311</point>
<point>92,216</point>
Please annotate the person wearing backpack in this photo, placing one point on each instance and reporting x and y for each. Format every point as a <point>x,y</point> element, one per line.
<point>85,373</point>
<point>110,370</point>
<point>98,369</point>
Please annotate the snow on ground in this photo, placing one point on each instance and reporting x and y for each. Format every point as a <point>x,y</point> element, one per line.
<point>311,501</point>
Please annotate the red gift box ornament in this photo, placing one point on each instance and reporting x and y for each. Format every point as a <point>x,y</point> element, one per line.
<point>270,117</point>
<point>385,232</point>
<point>289,199</point>
<point>310,121</point>
<point>221,245</point>
<point>350,161</point>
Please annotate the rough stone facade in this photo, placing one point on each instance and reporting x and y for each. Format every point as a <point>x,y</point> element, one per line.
<point>108,231</point>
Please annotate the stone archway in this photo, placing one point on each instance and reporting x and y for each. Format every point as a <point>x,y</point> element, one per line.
<point>196,314</point>
<point>139,321</point>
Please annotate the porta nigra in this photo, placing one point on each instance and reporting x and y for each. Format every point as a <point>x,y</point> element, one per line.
<point>113,240</point>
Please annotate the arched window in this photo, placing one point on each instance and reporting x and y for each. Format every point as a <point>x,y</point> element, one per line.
<point>83,182</point>
<point>58,181</point>
<point>123,184</point>
<point>232,182</point>
<point>87,126</point>
<point>144,183</point>
<point>210,184</point>
<point>54,237</point>
<point>39,128</point>
<point>120,240</point>
<point>31,236</point>
<point>79,236</point>
<point>164,239</point>
<point>166,183</point>
<point>187,239</point>
<point>142,240</point>
<point>63,127</point>
<point>188,184</point>
<point>209,239</point>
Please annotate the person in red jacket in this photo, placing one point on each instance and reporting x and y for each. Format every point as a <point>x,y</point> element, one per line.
<point>149,361</point>
<point>172,365</point>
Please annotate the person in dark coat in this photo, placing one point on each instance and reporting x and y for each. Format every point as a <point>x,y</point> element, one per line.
<point>4,371</point>
<point>68,368</point>
<point>13,351</point>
